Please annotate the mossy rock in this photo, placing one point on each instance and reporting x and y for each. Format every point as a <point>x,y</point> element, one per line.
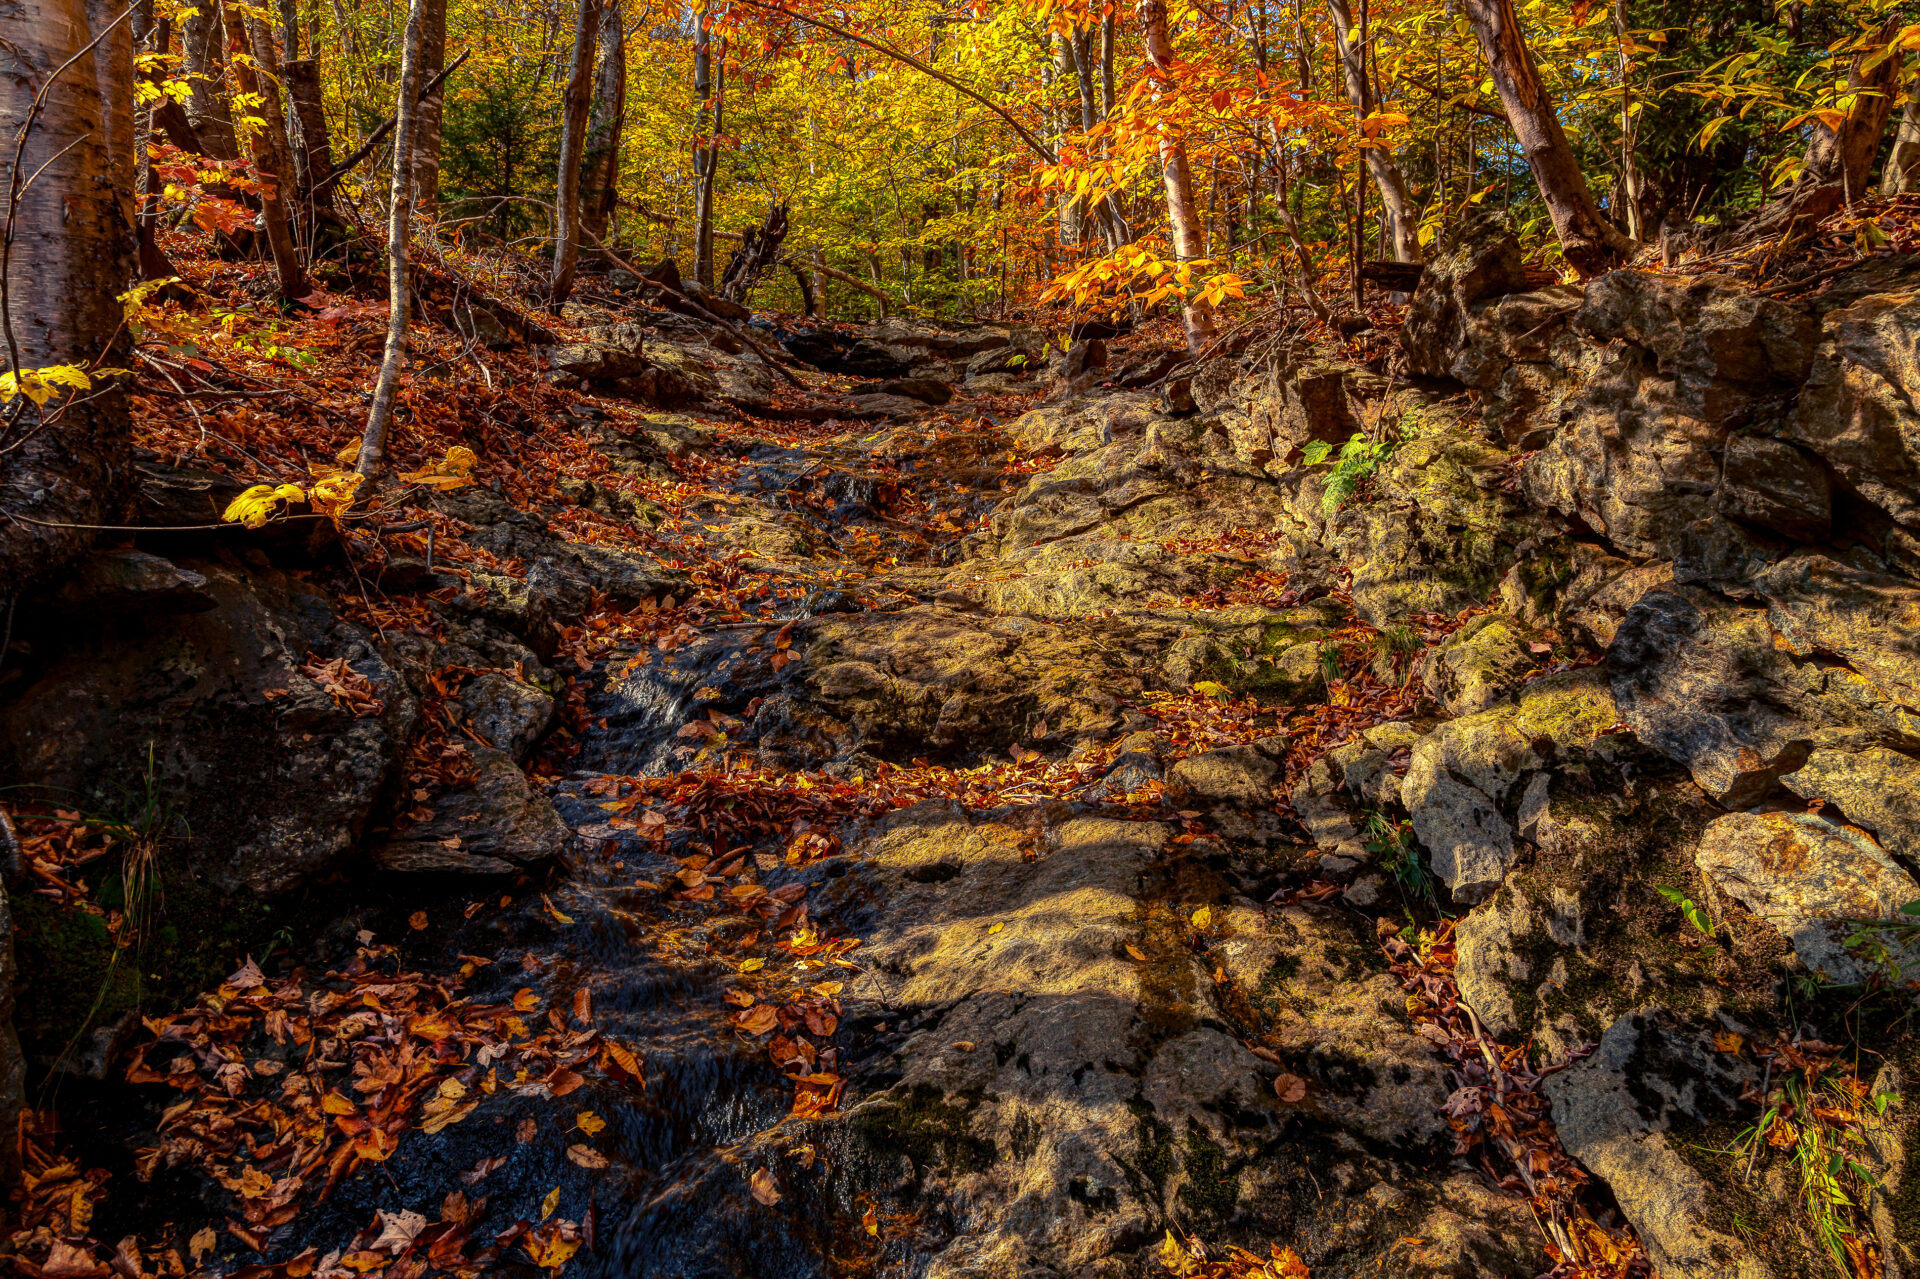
<point>72,981</point>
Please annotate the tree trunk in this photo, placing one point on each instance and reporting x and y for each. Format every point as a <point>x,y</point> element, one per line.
<point>1188,240</point>
<point>272,158</point>
<point>759,249</point>
<point>1403,217</point>
<point>1846,156</point>
<point>426,120</point>
<point>1072,210</point>
<point>373,442</point>
<point>573,136</point>
<point>203,47</point>
<point>804,278</point>
<point>600,185</point>
<point>1903,162</point>
<point>1590,243</point>
<point>312,144</point>
<point>704,127</point>
<point>1630,184</point>
<point>69,254</point>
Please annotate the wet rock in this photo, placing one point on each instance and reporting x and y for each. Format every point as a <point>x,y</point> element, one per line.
<point>1477,665</point>
<point>1461,773</point>
<point>111,582</point>
<point>490,827</point>
<point>1809,879</point>
<point>212,696</point>
<point>1613,1112</point>
<point>1775,485</point>
<point>509,714</point>
<point>1876,788</point>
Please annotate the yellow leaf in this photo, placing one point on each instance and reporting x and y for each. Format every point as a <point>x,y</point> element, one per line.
<point>752,965</point>
<point>551,1202</point>
<point>992,929</point>
<point>41,385</point>
<point>1203,917</point>
<point>255,506</point>
<point>333,495</point>
<point>349,454</point>
<point>589,1122</point>
<point>202,1243</point>
<point>556,913</point>
<point>1219,692</point>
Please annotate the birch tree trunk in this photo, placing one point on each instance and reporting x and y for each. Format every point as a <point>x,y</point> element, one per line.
<point>1403,218</point>
<point>703,152</point>
<point>426,120</point>
<point>573,137</point>
<point>1590,243</point>
<point>272,158</point>
<point>601,182</point>
<point>373,442</point>
<point>67,253</point>
<point>1903,162</point>
<point>1188,238</point>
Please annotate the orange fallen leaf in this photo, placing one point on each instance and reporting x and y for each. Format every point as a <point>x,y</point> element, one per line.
<point>761,1183</point>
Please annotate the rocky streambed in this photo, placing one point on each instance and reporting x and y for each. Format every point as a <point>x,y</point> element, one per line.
<point>980,838</point>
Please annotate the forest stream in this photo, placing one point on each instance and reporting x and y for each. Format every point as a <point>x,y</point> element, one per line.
<point>1011,805</point>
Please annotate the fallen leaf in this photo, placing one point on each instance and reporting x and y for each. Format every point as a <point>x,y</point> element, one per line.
<point>589,1122</point>
<point>397,1230</point>
<point>994,928</point>
<point>202,1243</point>
<point>752,965</point>
<point>586,1156</point>
<point>1203,917</point>
<point>763,1188</point>
<point>962,1045</point>
<point>871,1220</point>
<point>551,1202</point>
<point>1136,952</point>
<point>484,1169</point>
<point>555,912</point>
<point>417,921</point>
<point>526,1130</point>
<point>1289,1088</point>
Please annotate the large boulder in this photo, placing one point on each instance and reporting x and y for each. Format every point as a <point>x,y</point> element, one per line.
<point>1741,696</point>
<point>1476,259</point>
<point>1812,881</point>
<point>1614,1112</point>
<point>1857,411</point>
<point>1876,788</point>
<point>258,681</point>
<point>1461,774</point>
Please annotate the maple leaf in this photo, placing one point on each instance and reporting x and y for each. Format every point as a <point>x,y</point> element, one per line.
<point>397,1230</point>
<point>255,506</point>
